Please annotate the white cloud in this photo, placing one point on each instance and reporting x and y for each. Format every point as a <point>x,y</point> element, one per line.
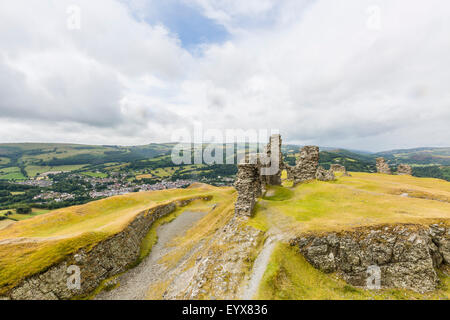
<point>313,69</point>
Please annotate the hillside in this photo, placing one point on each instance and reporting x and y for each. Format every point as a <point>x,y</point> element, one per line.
<point>255,267</point>
<point>437,156</point>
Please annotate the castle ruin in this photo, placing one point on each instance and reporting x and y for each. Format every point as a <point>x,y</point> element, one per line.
<point>338,168</point>
<point>306,166</point>
<point>404,169</point>
<point>383,166</point>
<point>257,171</point>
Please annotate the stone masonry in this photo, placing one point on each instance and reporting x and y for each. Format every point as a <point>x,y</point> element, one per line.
<point>383,166</point>
<point>251,181</point>
<point>338,168</point>
<point>325,175</point>
<point>248,185</point>
<point>404,169</point>
<point>306,167</point>
<point>274,179</point>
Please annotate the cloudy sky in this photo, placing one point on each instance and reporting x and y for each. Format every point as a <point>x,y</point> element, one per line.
<point>370,75</point>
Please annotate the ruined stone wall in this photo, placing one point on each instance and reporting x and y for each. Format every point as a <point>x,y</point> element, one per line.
<point>106,259</point>
<point>306,166</point>
<point>274,179</point>
<point>251,181</point>
<point>404,169</point>
<point>325,175</point>
<point>383,167</point>
<point>338,168</point>
<point>405,255</point>
<point>249,186</point>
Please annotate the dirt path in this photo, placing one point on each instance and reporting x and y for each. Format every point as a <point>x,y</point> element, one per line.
<point>259,267</point>
<point>134,284</point>
<point>280,229</point>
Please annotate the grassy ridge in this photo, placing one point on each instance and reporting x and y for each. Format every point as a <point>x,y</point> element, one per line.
<point>51,237</point>
<point>363,199</point>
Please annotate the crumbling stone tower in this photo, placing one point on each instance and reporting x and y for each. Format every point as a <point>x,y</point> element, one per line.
<point>251,179</point>
<point>383,167</point>
<point>248,185</point>
<point>306,166</point>
<point>404,169</point>
<point>275,144</point>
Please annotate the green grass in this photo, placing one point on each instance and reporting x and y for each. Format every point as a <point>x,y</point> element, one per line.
<point>276,193</point>
<point>19,217</point>
<point>4,161</point>
<point>11,173</point>
<point>363,199</point>
<point>33,171</point>
<point>95,174</point>
<point>290,277</point>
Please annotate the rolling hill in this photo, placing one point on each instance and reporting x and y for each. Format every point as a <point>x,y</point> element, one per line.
<point>190,264</point>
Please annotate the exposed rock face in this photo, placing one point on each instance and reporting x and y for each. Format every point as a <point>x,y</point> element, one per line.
<point>306,167</point>
<point>220,273</point>
<point>383,167</point>
<point>106,259</point>
<point>404,169</point>
<point>440,234</point>
<point>404,255</point>
<point>338,168</point>
<point>325,175</point>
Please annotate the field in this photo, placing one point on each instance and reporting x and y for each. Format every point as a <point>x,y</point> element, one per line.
<point>19,217</point>
<point>95,174</point>
<point>11,173</point>
<point>33,171</point>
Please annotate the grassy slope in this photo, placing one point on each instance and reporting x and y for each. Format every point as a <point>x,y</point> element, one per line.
<point>52,236</point>
<point>364,199</point>
<point>19,217</point>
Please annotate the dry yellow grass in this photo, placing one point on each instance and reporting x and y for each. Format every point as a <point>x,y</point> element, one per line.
<point>363,199</point>
<point>30,246</point>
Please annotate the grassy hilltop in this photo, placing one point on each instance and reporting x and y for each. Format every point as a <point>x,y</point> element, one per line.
<point>30,246</point>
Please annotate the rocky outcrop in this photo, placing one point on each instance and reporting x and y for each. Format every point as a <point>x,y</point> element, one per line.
<point>219,273</point>
<point>383,167</point>
<point>404,169</point>
<point>325,175</point>
<point>400,256</point>
<point>306,166</point>
<point>106,259</point>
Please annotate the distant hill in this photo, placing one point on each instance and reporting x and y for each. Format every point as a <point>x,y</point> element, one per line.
<point>420,156</point>
<point>19,161</point>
